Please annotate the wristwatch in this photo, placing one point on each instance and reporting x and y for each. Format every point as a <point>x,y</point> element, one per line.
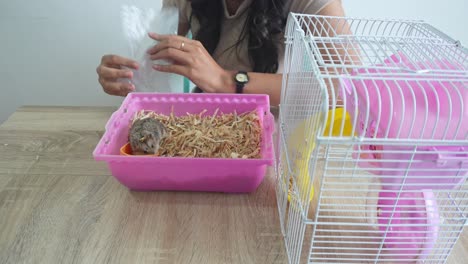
<point>241,79</point>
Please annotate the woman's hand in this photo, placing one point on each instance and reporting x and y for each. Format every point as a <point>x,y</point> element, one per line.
<point>110,70</point>
<point>191,60</point>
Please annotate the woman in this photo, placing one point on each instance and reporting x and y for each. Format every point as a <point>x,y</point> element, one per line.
<point>238,46</point>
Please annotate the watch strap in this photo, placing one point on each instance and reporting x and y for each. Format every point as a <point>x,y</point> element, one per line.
<point>239,88</point>
<point>240,85</point>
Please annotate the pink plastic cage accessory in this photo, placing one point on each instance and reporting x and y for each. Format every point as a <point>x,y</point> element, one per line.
<point>425,167</point>
<point>414,226</point>
<point>145,173</point>
<point>404,106</point>
<point>390,103</point>
<point>444,167</point>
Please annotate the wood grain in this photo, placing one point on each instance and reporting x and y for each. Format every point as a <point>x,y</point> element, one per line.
<point>57,205</point>
<point>36,118</point>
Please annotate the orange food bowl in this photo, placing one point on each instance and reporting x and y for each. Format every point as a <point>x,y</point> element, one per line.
<point>126,150</point>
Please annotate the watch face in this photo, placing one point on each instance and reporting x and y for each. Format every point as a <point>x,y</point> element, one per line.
<point>242,78</point>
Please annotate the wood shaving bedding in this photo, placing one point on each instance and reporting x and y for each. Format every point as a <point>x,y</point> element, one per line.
<point>209,136</point>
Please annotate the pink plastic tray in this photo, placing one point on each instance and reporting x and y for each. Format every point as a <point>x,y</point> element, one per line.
<point>145,173</point>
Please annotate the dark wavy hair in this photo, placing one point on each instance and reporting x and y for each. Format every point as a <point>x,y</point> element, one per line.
<point>265,20</point>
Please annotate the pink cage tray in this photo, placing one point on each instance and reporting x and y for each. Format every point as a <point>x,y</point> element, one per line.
<point>147,173</point>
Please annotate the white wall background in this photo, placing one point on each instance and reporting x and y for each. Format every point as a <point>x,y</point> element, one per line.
<point>49,49</point>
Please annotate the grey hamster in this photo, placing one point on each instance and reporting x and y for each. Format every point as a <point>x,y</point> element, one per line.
<point>146,135</point>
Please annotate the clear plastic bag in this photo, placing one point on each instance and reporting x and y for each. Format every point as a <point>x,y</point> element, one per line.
<point>138,19</point>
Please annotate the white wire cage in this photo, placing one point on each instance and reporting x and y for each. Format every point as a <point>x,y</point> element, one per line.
<point>372,154</point>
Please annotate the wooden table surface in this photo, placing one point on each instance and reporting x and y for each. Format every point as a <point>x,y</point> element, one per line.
<point>58,205</point>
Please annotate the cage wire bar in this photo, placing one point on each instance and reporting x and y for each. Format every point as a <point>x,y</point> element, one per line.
<point>372,154</point>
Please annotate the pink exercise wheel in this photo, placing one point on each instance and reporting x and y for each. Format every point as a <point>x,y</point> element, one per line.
<point>385,103</point>
<point>413,229</point>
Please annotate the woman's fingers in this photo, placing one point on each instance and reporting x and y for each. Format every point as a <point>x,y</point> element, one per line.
<point>116,88</point>
<point>190,60</point>
<point>170,44</point>
<point>110,70</point>
<point>171,41</point>
<point>178,38</point>
<point>172,54</point>
<point>118,61</point>
<point>112,73</point>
